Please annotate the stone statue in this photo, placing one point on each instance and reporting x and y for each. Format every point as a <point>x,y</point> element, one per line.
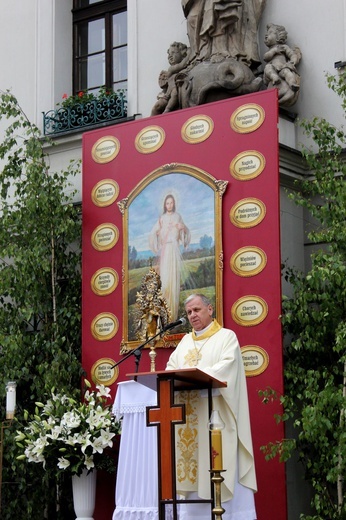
<point>167,99</point>
<point>220,29</point>
<point>222,59</point>
<point>212,82</point>
<point>281,60</point>
<point>208,24</point>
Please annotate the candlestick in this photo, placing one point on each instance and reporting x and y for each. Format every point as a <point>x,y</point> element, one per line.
<point>216,425</point>
<point>217,480</point>
<point>10,399</point>
<point>10,409</point>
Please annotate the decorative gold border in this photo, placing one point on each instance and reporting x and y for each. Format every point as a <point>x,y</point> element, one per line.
<point>246,130</point>
<point>194,140</point>
<point>106,361</point>
<point>219,187</point>
<point>112,199</point>
<point>252,223</point>
<point>244,251</point>
<point>142,149</point>
<point>104,270</point>
<point>261,352</point>
<point>95,151</point>
<point>109,316</point>
<point>243,155</point>
<point>107,246</point>
<point>249,298</point>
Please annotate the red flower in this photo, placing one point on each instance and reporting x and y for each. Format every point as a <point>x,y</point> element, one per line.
<point>65,96</point>
<point>80,94</point>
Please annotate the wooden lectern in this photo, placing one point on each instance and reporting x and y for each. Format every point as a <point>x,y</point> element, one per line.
<point>165,416</point>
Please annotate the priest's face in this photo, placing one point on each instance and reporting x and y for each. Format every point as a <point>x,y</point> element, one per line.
<point>199,314</point>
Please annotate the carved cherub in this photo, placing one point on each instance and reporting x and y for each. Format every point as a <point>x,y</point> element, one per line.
<point>168,99</point>
<point>281,59</point>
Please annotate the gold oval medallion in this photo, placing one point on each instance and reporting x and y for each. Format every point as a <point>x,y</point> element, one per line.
<point>249,310</point>
<point>104,237</point>
<point>150,139</point>
<point>105,149</point>
<point>255,359</point>
<point>247,118</point>
<point>104,326</point>
<point>247,165</point>
<point>197,129</point>
<point>247,213</point>
<point>103,373</point>
<point>104,193</point>
<point>104,281</point>
<point>248,261</point>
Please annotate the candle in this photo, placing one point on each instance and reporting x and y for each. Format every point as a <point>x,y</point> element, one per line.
<point>215,426</point>
<point>216,446</point>
<point>10,399</point>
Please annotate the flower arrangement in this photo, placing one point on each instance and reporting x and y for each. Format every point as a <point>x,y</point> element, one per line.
<point>85,96</point>
<point>85,109</point>
<point>68,435</point>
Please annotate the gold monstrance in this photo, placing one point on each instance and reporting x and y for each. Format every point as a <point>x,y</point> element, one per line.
<point>153,312</point>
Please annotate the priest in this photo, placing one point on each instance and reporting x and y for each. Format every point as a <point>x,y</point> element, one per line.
<point>216,351</point>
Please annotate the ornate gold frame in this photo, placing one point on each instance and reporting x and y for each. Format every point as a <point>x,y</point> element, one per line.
<point>219,187</point>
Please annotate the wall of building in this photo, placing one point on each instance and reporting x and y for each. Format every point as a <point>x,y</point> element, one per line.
<point>36,64</point>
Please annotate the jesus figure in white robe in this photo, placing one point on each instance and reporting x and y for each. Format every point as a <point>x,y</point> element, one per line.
<point>165,239</point>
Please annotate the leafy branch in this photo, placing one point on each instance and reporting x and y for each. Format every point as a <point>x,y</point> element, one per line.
<point>40,294</point>
<point>314,320</point>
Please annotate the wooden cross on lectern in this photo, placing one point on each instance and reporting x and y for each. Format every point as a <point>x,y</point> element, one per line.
<point>165,415</point>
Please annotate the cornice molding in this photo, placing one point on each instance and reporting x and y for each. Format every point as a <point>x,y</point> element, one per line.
<point>292,166</point>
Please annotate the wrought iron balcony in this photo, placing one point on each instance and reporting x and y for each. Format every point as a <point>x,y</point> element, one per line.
<point>82,115</point>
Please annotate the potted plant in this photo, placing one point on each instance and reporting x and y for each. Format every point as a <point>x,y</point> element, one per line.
<point>70,436</point>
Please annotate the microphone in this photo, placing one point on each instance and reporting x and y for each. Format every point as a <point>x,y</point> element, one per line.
<point>180,321</point>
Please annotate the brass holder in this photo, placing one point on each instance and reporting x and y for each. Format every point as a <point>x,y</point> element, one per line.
<point>3,426</point>
<point>217,480</point>
<point>152,355</point>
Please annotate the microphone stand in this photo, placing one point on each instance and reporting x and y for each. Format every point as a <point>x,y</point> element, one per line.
<point>137,352</point>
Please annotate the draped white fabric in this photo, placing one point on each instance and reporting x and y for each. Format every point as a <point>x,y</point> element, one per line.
<point>136,495</point>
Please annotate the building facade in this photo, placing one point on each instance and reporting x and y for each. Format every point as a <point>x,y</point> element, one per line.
<point>40,66</point>
<point>55,49</point>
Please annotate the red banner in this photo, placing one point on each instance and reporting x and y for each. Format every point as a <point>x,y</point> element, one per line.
<point>218,165</point>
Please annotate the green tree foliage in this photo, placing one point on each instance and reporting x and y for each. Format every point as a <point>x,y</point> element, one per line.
<point>205,274</point>
<point>315,320</point>
<point>205,242</point>
<point>40,297</point>
<point>132,253</point>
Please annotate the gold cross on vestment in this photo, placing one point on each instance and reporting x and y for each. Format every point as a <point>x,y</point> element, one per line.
<point>192,357</point>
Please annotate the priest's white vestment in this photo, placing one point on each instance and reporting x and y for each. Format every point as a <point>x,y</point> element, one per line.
<point>217,352</point>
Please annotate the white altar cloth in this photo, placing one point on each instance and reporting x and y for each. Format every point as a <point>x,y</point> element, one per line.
<point>136,494</point>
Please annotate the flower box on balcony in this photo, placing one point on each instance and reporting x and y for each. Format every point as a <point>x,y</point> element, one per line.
<point>81,111</point>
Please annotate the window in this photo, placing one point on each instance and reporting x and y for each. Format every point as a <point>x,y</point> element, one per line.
<point>100,45</point>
